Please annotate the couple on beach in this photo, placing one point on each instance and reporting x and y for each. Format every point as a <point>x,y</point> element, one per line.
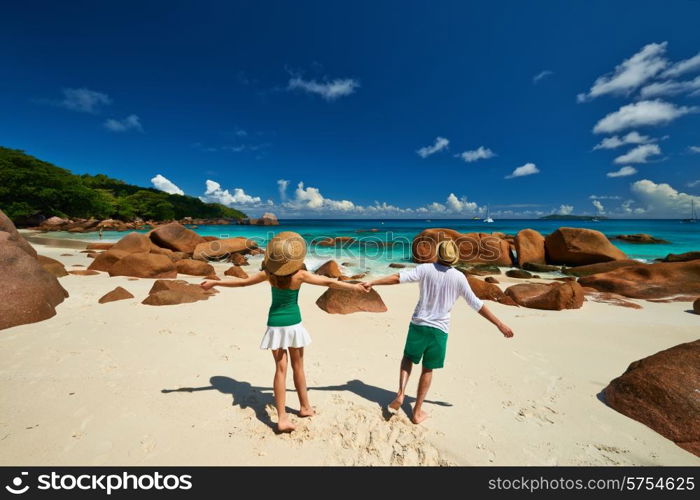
<point>440,287</point>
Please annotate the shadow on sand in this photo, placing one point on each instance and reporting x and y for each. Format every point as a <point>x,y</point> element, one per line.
<point>246,395</point>
<point>377,395</point>
<point>242,393</point>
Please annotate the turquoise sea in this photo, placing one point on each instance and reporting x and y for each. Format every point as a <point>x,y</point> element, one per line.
<point>368,256</point>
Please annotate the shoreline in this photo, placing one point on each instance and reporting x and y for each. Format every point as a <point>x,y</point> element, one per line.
<point>111,384</point>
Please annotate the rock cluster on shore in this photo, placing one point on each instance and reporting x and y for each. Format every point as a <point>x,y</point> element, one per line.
<point>166,251</point>
<point>78,225</point>
<point>29,293</point>
<point>581,253</point>
<point>661,391</point>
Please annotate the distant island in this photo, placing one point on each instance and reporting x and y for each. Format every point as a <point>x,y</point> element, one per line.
<point>573,217</point>
<point>32,189</point>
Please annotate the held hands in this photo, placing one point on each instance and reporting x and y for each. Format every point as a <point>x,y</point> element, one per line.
<point>208,284</point>
<point>505,330</point>
<point>363,287</point>
<point>366,285</point>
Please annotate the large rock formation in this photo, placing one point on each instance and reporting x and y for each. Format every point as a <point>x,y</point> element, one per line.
<point>118,293</point>
<point>553,297</point>
<point>133,243</point>
<point>649,281</point>
<point>577,247</point>
<point>52,265</point>
<point>194,267</point>
<point>105,260</point>
<point>28,293</point>
<point>7,226</point>
<point>602,267</point>
<point>661,391</point>
<point>329,269</point>
<point>640,238</point>
<point>99,245</point>
<point>172,292</point>
<point>143,265</point>
<point>176,237</point>
<point>474,248</point>
<point>489,291</point>
<point>223,249</point>
<point>681,257</point>
<point>337,301</point>
<point>529,247</point>
<point>236,271</point>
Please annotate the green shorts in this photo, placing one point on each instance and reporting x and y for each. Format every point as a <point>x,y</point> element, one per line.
<point>428,343</point>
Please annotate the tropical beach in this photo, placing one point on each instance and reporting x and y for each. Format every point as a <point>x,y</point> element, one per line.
<point>386,234</point>
<point>114,383</point>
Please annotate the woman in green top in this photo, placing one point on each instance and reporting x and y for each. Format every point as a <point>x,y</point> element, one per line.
<point>283,268</point>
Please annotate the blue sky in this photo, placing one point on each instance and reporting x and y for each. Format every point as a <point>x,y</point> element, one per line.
<point>380,109</point>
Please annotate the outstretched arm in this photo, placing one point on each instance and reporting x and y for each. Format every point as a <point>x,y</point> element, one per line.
<point>505,329</point>
<point>315,279</point>
<point>392,279</point>
<point>235,282</point>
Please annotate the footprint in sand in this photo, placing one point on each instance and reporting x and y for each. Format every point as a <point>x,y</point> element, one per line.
<point>367,439</point>
<point>600,454</point>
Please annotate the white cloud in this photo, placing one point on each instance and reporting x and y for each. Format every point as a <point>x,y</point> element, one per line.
<point>214,194</point>
<point>604,197</point>
<point>565,209</point>
<point>163,184</point>
<point>439,144</point>
<point>527,169</point>
<point>615,141</point>
<point>684,66</point>
<point>640,154</point>
<point>310,198</point>
<point>282,186</point>
<point>480,153</point>
<point>671,87</point>
<point>131,122</point>
<point>626,208</point>
<point>692,184</point>
<point>641,113</point>
<point>84,100</point>
<point>662,200</point>
<point>631,73</point>
<point>329,90</point>
<point>459,205</point>
<point>598,206</point>
<point>694,149</point>
<point>623,172</point>
<point>542,75</point>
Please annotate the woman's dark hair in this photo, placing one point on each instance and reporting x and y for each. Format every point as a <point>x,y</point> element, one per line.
<point>282,281</point>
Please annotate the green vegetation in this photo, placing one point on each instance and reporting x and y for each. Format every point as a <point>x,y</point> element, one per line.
<point>572,217</point>
<point>31,186</point>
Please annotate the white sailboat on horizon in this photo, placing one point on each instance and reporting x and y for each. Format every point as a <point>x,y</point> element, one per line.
<point>693,219</point>
<point>488,218</point>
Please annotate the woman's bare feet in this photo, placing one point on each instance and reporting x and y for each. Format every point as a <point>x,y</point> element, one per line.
<point>419,416</point>
<point>285,425</point>
<point>395,405</point>
<point>307,412</point>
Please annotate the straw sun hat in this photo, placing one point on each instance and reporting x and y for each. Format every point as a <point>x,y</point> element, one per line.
<point>285,253</point>
<point>447,252</point>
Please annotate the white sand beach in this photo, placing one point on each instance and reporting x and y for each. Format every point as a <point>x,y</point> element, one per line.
<point>129,384</point>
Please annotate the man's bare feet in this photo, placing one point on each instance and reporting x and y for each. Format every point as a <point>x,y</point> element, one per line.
<point>307,412</point>
<point>419,416</point>
<point>285,425</point>
<point>395,405</point>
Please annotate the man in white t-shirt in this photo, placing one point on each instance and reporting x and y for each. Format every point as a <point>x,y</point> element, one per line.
<point>440,287</point>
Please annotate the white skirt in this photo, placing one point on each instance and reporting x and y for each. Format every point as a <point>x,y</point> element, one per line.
<point>284,337</point>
